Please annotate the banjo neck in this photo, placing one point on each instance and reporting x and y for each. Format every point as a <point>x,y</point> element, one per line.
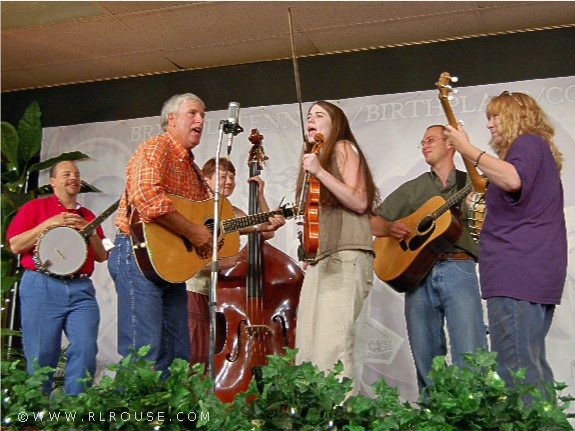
<point>445,90</point>
<point>89,228</point>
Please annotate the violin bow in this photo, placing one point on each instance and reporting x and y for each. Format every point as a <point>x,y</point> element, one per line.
<point>296,73</point>
<point>303,192</point>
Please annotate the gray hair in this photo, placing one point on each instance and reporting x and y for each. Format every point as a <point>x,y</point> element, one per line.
<point>173,105</point>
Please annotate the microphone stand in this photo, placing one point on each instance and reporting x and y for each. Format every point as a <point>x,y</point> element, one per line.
<point>232,129</point>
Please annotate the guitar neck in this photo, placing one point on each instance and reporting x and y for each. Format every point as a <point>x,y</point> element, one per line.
<point>235,224</point>
<point>87,230</point>
<point>452,200</point>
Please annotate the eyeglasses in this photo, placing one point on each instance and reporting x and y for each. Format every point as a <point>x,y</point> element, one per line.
<point>509,93</point>
<point>427,141</point>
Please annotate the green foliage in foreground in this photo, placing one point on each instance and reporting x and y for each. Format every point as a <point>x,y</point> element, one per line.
<point>289,397</point>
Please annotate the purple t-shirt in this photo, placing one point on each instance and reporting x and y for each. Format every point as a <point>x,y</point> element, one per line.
<point>523,243</point>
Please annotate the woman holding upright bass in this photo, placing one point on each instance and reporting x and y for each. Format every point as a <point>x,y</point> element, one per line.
<point>340,275</point>
<point>523,243</point>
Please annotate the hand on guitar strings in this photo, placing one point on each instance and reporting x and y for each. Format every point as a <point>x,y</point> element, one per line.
<point>399,230</point>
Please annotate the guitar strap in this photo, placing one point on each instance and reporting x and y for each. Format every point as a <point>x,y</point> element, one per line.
<point>129,215</point>
<point>460,181</point>
<point>200,175</point>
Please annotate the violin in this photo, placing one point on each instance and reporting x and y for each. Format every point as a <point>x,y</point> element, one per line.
<point>309,199</point>
<point>257,302</point>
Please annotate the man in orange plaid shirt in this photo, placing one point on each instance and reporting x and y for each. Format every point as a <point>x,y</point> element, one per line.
<point>152,313</point>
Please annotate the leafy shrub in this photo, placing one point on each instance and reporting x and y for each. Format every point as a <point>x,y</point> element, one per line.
<point>287,397</point>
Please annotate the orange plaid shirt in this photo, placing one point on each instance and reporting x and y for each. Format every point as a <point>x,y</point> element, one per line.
<point>160,166</point>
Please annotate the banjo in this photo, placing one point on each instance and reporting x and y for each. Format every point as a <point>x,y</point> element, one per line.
<point>62,250</point>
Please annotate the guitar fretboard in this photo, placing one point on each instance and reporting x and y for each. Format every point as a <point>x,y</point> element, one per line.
<point>452,200</point>
<point>234,224</point>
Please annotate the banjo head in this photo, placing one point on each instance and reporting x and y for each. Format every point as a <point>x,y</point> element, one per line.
<point>60,250</point>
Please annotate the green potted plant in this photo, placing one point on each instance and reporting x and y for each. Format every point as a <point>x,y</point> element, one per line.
<point>134,396</point>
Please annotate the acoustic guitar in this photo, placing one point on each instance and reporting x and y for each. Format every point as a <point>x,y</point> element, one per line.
<point>403,264</point>
<point>164,256</point>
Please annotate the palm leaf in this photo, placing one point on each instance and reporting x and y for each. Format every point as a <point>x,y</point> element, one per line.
<point>48,163</point>
<point>9,144</point>
<point>30,132</point>
<point>84,188</point>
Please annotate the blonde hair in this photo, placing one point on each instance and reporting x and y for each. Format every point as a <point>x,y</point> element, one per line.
<point>519,114</point>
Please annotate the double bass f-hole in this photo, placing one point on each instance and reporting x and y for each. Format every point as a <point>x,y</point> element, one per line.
<point>309,207</point>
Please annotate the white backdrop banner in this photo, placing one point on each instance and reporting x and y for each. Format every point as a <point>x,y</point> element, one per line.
<point>389,128</point>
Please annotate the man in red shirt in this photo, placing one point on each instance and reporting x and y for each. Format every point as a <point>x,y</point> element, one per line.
<point>52,303</point>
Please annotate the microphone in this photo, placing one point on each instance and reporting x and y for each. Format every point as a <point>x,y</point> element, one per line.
<point>233,113</point>
<point>232,127</point>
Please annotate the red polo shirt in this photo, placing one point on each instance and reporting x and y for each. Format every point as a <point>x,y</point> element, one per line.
<point>34,212</point>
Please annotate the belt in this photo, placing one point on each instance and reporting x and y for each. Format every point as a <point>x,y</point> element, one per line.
<point>460,255</point>
<point>65,277</point>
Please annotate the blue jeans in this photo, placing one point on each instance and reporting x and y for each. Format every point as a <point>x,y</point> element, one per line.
<point>148,313</point>
<point>449,295</point>
<point>517,333</point>
<point>50,306</point>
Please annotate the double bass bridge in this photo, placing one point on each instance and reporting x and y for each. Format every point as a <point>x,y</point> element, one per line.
<point>255,330</point>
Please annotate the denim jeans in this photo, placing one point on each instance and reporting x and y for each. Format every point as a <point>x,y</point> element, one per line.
<point>148,313</point>
<point>449,295</point>
<point>50,306</point>
<point>517,333</point>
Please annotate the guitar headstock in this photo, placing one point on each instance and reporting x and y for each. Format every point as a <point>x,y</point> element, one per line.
<point>288,211</point>
<point>256,154</point>
<point>446,91</point>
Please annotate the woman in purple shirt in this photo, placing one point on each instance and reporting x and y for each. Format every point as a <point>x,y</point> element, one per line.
<point>523,243</point>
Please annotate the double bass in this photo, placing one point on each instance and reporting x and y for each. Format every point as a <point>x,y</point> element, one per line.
<point>257,302</point>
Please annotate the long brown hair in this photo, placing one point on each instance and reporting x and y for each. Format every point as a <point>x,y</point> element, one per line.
<point>518,114</point>
<point>340,131</point>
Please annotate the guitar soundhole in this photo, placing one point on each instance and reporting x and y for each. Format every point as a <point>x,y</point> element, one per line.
<point>425,228</point>
<point>209,223</point>
<point>205,253</point>
<point>425,225</point>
